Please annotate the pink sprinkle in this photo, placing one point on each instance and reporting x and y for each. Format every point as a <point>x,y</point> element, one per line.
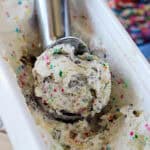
<point>46,57</point>
<point>62,90</point>
<point>131,133</point>
<point>55,90</point>
<point>147,126</point>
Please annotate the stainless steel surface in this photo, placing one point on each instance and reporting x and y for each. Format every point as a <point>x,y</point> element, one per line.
<point>58,18</point>
<point>78,44</point>
<point>53,25</point>
<point>46,23</point>
<point>50,20</point>
<point>66,18</point>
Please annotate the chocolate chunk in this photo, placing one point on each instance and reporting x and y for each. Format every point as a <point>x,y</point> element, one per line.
<point>73,135</point>
<point>136,113</point>
<point>93,93</point>
<point>56,134</point>
<point>77,80</point>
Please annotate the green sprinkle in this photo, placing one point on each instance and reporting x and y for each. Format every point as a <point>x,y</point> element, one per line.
<point>136,136</point>
<point>89,57</point>
<point>56,51</point>
<point>60,73</point>
<point>146,138</point>
<point>125,84</point>
<point>51,66</point>
<point>105,65</point>
<point>50,100</point>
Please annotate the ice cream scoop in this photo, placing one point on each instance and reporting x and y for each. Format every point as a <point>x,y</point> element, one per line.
<point>70,83</point>
<point>54,25</point>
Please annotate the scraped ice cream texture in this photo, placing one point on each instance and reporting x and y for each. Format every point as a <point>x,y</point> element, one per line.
<point>75,84</point>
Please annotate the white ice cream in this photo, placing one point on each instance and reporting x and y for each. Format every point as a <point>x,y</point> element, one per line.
<point>74,84</point>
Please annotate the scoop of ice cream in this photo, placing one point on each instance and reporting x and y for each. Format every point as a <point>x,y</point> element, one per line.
<point>71,84</point>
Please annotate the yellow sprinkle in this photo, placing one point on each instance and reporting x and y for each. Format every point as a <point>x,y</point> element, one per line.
<point>28,11</point>
<point>16,18</point>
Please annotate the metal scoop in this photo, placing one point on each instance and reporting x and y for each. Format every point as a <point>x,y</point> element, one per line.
<point>54,25</point>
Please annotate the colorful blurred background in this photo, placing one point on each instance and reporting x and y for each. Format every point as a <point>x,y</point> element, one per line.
<point>135,16</point>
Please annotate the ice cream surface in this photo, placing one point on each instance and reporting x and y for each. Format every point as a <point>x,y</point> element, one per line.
<point>65,83</point>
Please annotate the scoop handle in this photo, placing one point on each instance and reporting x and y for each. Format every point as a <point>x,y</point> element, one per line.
<point>50,20</point>
<point>66,18</point>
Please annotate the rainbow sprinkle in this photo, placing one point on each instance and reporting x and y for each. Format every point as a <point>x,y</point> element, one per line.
<point>19,2</point>
<point>56,51</point>
<point>17,30</point>
<point>60,73</point>
<point>51,66</point>
<point>147,126</point>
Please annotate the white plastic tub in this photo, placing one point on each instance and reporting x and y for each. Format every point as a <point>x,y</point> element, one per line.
<point>100,29</point>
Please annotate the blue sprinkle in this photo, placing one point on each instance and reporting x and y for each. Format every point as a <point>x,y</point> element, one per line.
<point>19,2</point>
<point>17,30</point>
